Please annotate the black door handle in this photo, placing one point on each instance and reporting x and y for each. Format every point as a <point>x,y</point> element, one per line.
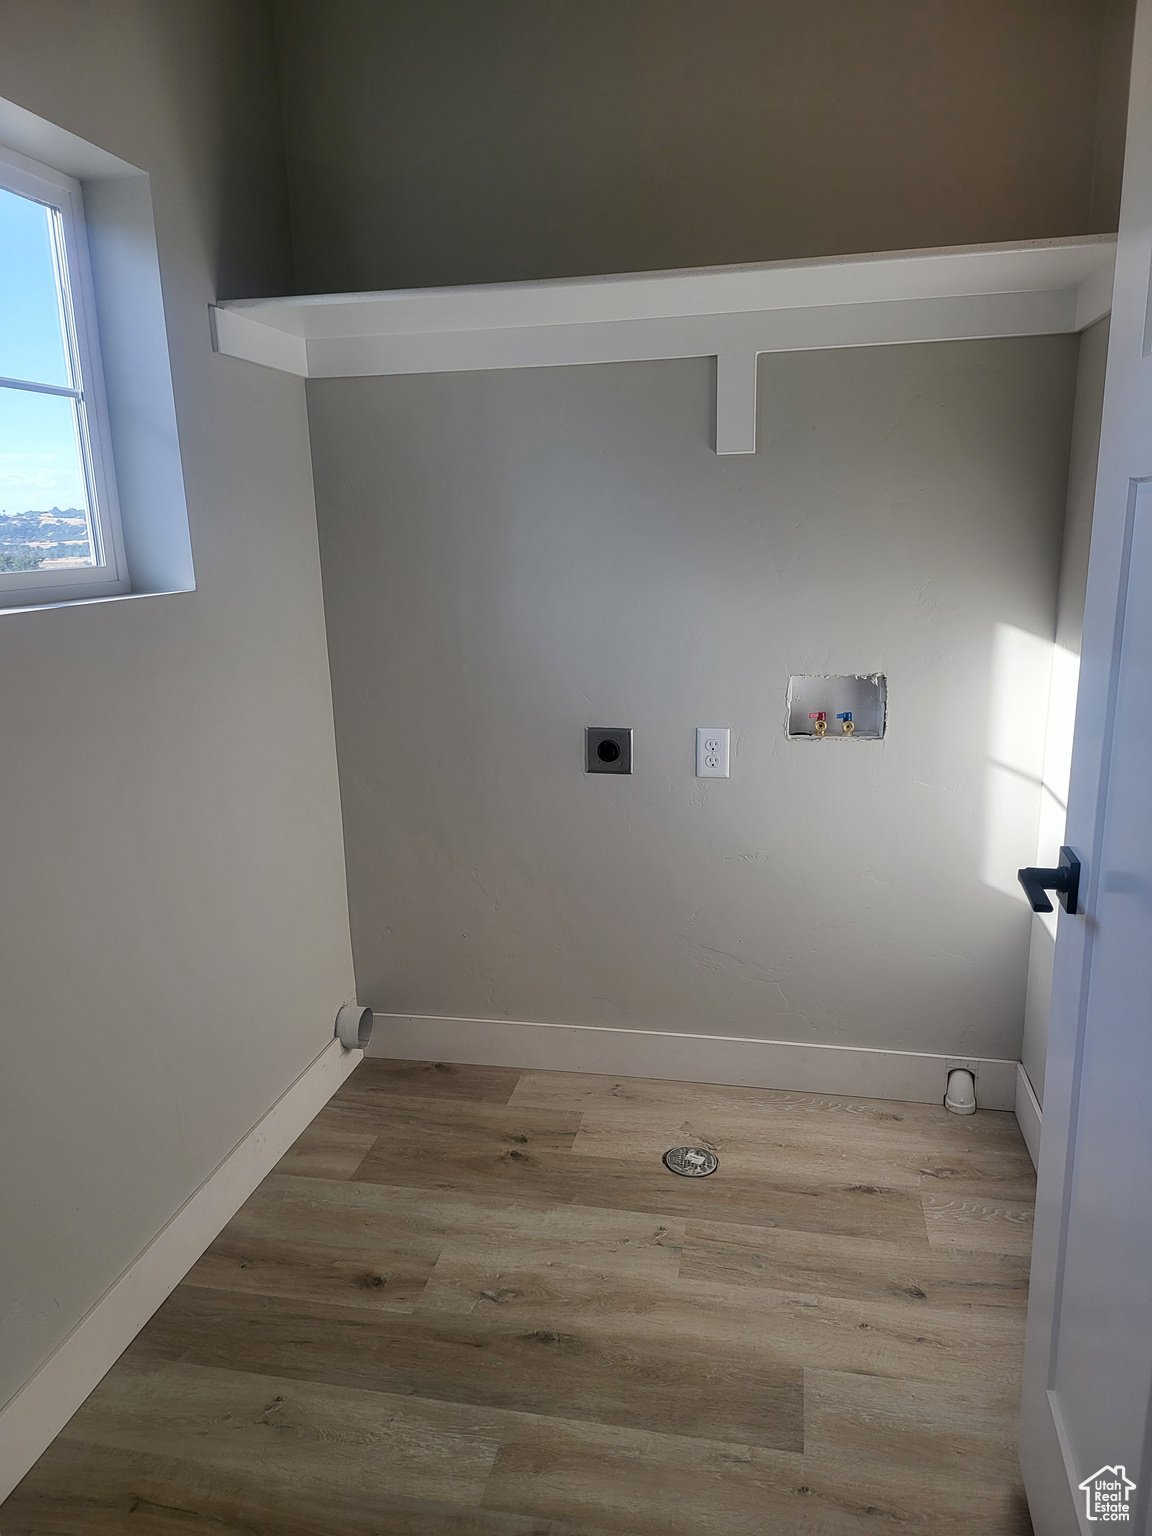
<point>1064,880</point>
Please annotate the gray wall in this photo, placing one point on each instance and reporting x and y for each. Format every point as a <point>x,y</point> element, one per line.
<point>173,912</point>
<point>510,557</point>
<point>436,142</point>
<point>1062,707</point>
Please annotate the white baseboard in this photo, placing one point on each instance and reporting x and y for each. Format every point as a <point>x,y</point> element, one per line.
<point>840,1069</point>
<point>1028,1113</point>
<point>31,1420</point>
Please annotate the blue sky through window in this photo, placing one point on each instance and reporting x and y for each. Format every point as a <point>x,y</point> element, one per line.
<point>40,462</point>
<point>31,334</point>
<point>39,456</point>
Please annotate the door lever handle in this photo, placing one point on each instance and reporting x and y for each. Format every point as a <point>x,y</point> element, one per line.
<point>1064,880</point>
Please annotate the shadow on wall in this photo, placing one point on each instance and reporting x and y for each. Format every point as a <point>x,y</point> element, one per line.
<point>431,142</point>
<point>230,139</point>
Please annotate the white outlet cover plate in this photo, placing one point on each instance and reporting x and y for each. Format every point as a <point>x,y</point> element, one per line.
<point>712,751</point>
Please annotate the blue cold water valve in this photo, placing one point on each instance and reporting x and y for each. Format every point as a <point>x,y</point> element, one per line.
<point>846,722</point>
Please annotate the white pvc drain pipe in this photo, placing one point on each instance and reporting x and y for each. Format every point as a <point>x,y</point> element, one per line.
<point>354,1026</point>
<point>961,1095</point>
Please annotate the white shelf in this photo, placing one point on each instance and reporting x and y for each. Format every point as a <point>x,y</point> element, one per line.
<point>1039,287</point>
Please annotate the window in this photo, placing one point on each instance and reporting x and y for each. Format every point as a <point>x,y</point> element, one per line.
<point>59,522</point>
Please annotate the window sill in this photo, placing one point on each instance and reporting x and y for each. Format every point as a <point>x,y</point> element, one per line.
<point>89,602</point>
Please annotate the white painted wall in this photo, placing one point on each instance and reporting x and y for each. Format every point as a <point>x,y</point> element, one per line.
<point>1057,756</point>
<point>511,557</point>
<point>173,912</point>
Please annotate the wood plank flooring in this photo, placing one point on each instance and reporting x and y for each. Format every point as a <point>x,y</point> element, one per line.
<point>471,1302</point>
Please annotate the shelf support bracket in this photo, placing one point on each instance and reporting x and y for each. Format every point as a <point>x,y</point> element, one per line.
<point>736,400</point>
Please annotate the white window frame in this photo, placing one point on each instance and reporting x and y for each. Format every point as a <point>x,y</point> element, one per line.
<point>108,578</point>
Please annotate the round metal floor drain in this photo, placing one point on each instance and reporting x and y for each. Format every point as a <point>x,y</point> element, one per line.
<point>692,1162</point>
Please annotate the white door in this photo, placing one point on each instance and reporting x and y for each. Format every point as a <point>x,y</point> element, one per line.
<point>1088,1370</point>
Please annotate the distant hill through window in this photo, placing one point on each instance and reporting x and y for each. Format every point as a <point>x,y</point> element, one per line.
<point>55,539</point>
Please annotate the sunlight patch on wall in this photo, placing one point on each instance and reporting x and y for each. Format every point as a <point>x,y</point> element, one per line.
<point>1020,684</point>
<point>1057,762</point>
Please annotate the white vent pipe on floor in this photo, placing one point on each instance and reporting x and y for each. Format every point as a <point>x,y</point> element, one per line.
<point>961,1095</point>
<point>354,1026</point>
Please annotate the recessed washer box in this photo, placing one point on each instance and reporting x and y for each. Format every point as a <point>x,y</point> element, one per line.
<point>860,701</point>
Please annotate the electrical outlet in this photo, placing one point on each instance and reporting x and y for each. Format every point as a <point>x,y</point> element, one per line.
<point>712,752</point>
<point>608,749</point>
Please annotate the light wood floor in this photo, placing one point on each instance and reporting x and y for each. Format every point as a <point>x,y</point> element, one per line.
<point>471,1302</point>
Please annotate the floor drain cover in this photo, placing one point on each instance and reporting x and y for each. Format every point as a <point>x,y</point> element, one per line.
<point>692,1162</point>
